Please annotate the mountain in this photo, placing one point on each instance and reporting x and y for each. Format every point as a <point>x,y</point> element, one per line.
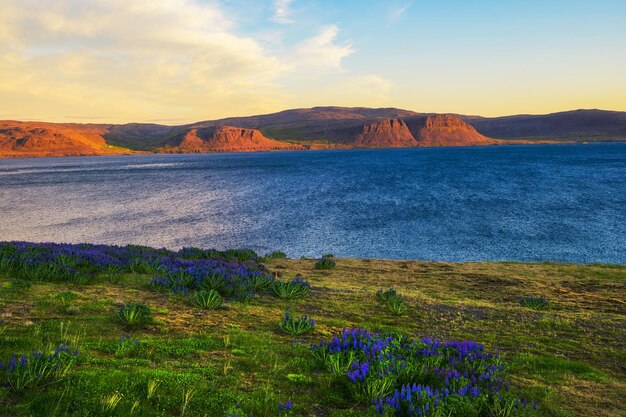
<point>23,139</point>
<point>389,133</point>
<point>223,139</point>
<point>577,125</point>
<point>445,130</point>
<point>313,128</point>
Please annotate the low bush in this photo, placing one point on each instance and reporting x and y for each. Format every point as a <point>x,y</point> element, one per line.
<point>392,300</point>
<point>134,314</point>
<point>325,263</point>
<point>208,299</point>
<point>535,303</point>
<point>383,295</point>
<point>127,346</point>
<point>27,371</point>
<point>396,305</point>
<point>296,326</point>
<point>289,290</point>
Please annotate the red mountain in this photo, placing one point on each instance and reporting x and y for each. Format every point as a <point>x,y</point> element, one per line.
<point>23,139</point>
<point>446,130</point>
<point>224,139</point>
<point>390,133</point>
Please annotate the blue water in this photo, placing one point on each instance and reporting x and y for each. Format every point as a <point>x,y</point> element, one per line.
<point>524,203</point>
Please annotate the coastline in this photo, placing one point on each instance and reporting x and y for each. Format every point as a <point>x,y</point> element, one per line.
<point>313,148</point>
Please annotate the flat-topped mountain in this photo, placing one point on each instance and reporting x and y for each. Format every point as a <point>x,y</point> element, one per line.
<point>223,139</point>
<point>313,128</point>
<point>52,139</point>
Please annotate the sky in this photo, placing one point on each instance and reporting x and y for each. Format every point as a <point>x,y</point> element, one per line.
<point>179,61</point>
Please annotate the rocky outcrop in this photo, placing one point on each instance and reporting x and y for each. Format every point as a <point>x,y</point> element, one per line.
<point>445,130</point>
<point>224,139</point>
<point>51,139</point>
<point>390,133</point>
<point>420,131</point>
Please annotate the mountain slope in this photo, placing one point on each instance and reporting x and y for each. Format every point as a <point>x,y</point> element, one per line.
<point>313,128</point>
<point>589,125</point>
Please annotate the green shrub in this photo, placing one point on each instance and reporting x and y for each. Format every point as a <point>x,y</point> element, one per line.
<point>289,290</point>
<point>392,300</point>
<point>296,326</point>
<point>208,299</point>
<point>535,303</point>
<point>134,314</point>
<point>396,305</point>
<point>26,371</point>
<point>127,347</point>
<point>261,282</point>
<point>325,263</point>
<point>383,295</point>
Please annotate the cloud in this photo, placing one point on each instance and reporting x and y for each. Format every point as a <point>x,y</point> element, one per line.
<point>168,60</point>
<point>282,11</point>
<point>138,59</point>
<point>396,12</point>
<point>322,50</point>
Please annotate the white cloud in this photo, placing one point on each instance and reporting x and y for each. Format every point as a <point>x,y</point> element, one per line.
<point>282,11</point>
<point>322,50</point>
<point>143,60</point>
<point>140,59</point>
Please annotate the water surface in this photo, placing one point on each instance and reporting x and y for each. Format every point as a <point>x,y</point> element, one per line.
<point>525,203</point>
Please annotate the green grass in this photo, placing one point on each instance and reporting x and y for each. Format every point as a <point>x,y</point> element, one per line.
<point>204,362</point>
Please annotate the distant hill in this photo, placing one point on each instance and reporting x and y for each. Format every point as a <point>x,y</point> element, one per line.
<point>577,125</point>
<point>313,128</point>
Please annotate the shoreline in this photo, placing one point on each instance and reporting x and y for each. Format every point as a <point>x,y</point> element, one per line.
<point>342,148</point>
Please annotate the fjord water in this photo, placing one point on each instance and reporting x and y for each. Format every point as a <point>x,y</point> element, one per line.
<point>524,203</point>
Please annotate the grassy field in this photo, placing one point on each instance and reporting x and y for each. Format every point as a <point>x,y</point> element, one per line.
<point>569,356</point>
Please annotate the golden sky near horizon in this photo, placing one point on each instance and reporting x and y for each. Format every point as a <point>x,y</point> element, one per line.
<point>178,61</point>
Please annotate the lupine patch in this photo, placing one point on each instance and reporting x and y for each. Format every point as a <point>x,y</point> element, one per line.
<point>406,377</point>
<point>26,371</point>
<point>231,281</point>
<point>80,262</point>
<point>296,326</point>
